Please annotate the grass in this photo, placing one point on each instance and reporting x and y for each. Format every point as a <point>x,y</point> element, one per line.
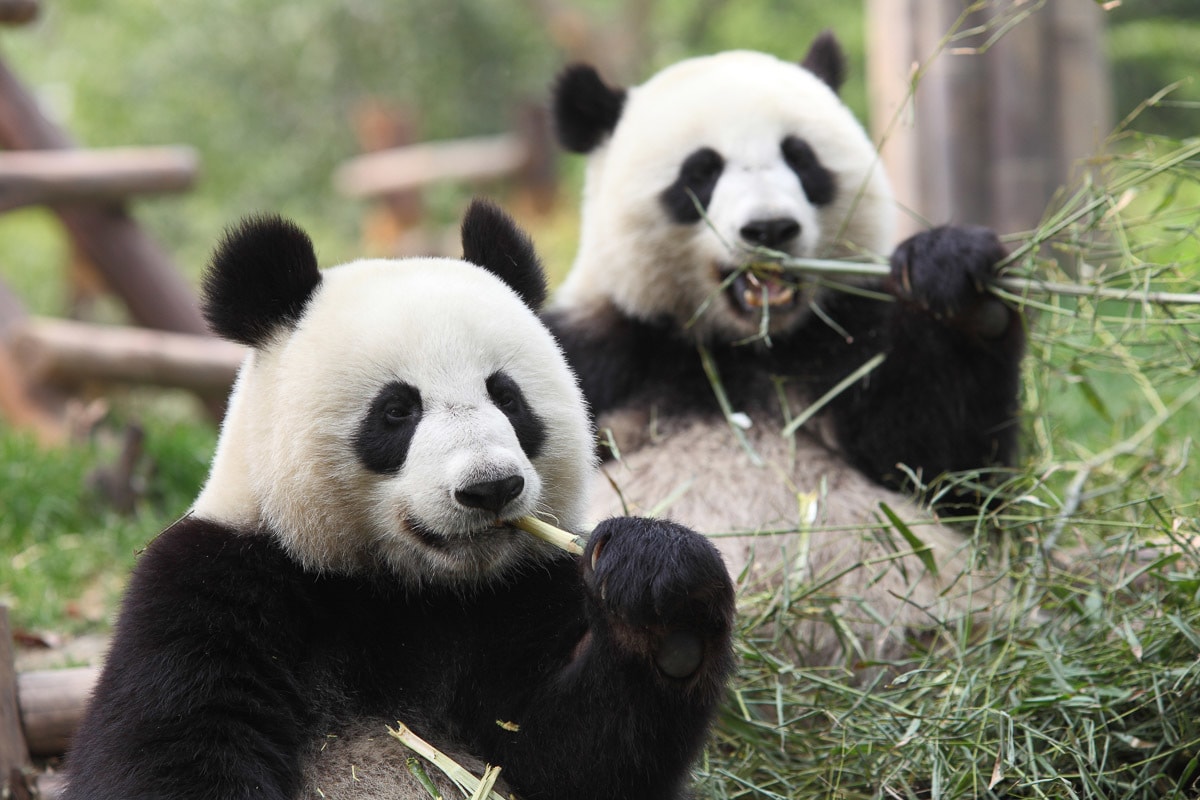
<point>1086,684</point>
<point>68,553</point>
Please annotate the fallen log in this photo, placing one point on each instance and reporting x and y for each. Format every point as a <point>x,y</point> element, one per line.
<point>52,703</point>
<point>33,177</point>
<point>62,352</point>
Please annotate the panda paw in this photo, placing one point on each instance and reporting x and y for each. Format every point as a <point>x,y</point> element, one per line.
<point>661,591</point>
<point>946,271</point>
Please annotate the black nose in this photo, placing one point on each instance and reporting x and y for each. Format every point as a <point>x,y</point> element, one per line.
<point>771,232</point>
<point>491,495</point>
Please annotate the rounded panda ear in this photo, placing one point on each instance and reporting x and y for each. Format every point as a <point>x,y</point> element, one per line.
<point>826,60</point>
<point>586,109</point>
<point>260,278</point>
<point>491,240</point>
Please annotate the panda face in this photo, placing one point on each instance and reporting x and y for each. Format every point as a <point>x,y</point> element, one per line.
<point>708,160</point>
<point>411,412</point>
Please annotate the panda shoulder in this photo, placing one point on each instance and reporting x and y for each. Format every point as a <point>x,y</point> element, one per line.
<point>202,565</point>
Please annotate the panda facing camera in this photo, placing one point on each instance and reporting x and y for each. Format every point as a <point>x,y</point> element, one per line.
<point>696,361</point>
<point>351,561</point>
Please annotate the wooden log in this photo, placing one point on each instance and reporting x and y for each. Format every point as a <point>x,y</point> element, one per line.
<point>18,12</point>
<point>418,165</point>
<point>61,352</point>
<point>133,265</point>
<point>52,176</point>
<point>52,704</point>
<point>14,752</point>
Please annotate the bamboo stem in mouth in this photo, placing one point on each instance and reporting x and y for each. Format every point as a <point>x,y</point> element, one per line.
<point>548,533</point>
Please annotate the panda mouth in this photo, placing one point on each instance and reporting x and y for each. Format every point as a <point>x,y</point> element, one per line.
<point>752,291</point>
<point>440,541</point>
<point>428,537</point>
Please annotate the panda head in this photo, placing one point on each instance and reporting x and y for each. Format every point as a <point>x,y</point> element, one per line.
<point>710,158</point>
<point>392,415</point>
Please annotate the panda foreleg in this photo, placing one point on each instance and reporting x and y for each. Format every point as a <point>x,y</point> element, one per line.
<point>199,696</point>
<point>946,397</point>
<point>646,680</point>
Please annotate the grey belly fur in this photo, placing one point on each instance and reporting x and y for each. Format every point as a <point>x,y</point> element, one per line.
<point>805,517</point>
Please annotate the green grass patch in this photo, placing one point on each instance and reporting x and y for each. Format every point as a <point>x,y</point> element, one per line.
<point>67,552</point>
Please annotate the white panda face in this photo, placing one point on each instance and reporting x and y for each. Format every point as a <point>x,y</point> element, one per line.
<point>710,158</point>
<point>413,409</point>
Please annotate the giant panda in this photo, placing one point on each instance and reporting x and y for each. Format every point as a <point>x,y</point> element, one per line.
<point>350,562</point>
<point>694,362</point>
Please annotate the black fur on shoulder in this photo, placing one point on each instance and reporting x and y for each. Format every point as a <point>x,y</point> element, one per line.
<point>586,109</point>
<point>826,60</point>
<point>260,278</point>
<point>491,240</point>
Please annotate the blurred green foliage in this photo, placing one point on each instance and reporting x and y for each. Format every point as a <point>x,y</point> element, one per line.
<point>266,91</point>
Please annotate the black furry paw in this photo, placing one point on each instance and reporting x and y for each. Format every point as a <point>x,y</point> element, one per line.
<point>946,272</point>
<point>662,592</point>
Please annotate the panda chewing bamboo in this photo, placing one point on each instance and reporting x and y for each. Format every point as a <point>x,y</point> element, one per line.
<point>345,566</point>
<point>702,365</point>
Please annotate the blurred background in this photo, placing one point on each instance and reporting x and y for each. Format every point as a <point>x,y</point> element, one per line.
<point>1068,124</point>
<point>266,106</point>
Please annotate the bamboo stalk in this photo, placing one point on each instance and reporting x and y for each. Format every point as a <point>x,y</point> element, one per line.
<point>548,533</point>
<point>1018,286</point>
<point>461,776</point>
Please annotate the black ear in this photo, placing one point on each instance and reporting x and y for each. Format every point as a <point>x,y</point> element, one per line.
<point>826,60</point>
<point>586,109</point>
<point>493,241</point>
<point>260,278</point>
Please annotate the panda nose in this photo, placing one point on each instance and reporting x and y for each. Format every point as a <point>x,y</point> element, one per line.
<point>770,232</point>
<point>491,495</point>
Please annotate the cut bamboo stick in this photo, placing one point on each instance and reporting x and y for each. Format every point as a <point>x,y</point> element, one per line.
<point>548,533</point>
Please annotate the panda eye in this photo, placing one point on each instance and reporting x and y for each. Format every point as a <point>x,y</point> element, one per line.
<point>397,412</point>
<point>504,393</point>
<point>399,405</point>
<point>797,153</point>
<point>505,399</point>
<point>702,166</point>
<point>818,183</point>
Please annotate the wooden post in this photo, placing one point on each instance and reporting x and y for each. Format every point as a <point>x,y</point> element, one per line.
<point>14,753</point>
<point>18,12</point>
<point>996,125</point>
<point>132,264</point>
<point>538,174</point>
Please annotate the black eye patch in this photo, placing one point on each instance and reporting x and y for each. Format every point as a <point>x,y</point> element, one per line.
<point>386,431</point>
<point>697,178</point>
<point>818,183</point>
<point>507,396</point>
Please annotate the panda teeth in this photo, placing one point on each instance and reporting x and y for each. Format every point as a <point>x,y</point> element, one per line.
<point>776,294</point>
